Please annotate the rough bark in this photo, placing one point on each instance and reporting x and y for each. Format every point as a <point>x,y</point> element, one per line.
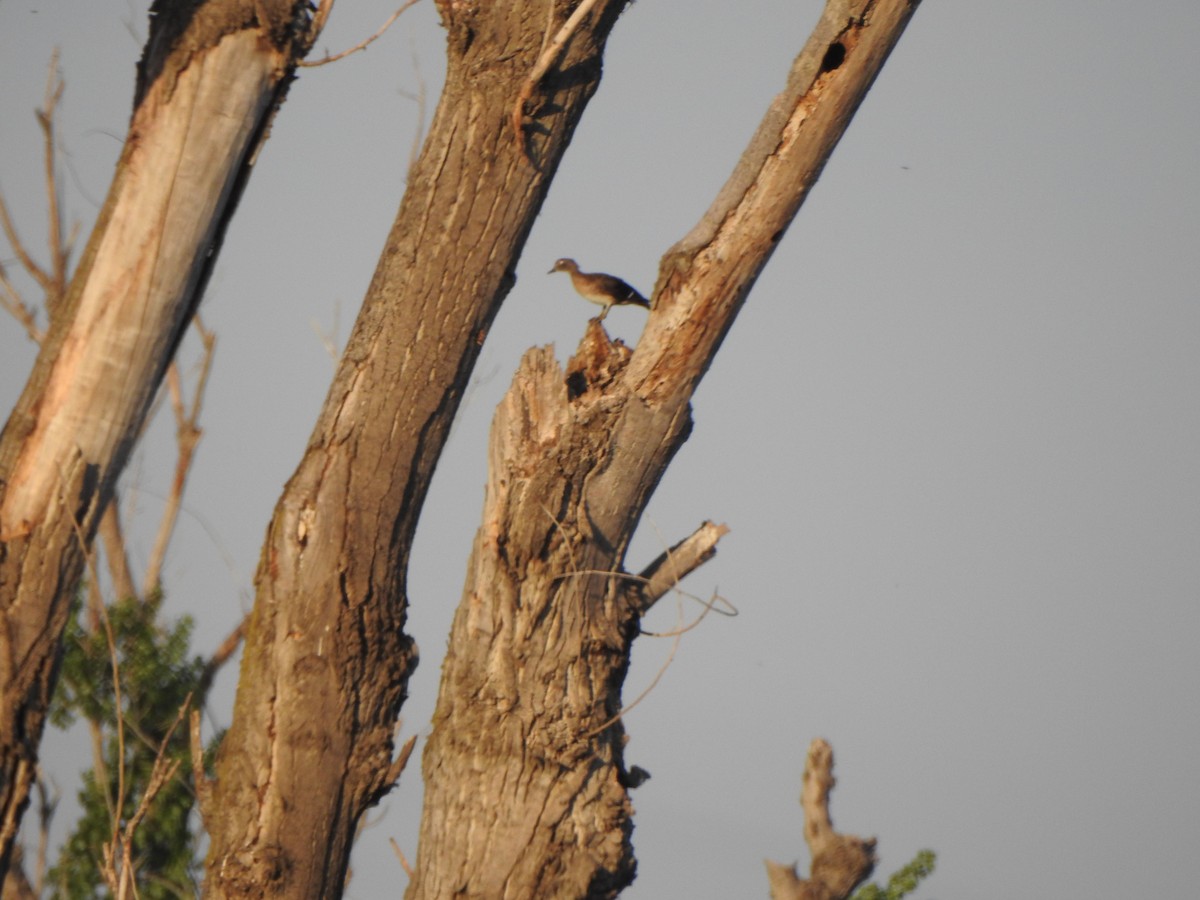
<point>526,789</point>
<point>525,782</point>
<point>326,661</point>
<point>211,76</point>
<point>840,862</point>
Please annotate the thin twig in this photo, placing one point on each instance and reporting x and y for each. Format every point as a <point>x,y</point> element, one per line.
<point>208,340</point>
<point>710,606</point>
<point>120,722</point>
<point>400,856</point>
<point>11,300</point>
<point>396,769</point>
<point>163,771</point>
<point>95,619</point>
<point>54,240</point>
<point>662,670</point>
<point>28,263</point>
<point>187,436</point>
<point>361,45</point>
<point>53,282</point>
<point>116,805</point>
<point>652,580</point>
<point>220,656</point>
<point>677,633</point>
<point>112,538</point>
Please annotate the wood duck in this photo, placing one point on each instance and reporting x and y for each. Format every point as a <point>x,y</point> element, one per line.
<point>604,290</point>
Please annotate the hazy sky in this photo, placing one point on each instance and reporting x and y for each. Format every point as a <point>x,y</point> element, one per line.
<point>955,430</point>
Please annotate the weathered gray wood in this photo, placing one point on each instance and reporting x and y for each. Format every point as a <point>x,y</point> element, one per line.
<point>209,80</point>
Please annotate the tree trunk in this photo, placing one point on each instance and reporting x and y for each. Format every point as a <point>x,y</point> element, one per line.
<point>210,78</point>
<point>526,790</point>
<point>326,661</point>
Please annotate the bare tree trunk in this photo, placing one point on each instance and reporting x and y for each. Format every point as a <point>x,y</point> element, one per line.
<point>326,661</point>
<point>526,789</point>
<point>211,76</point>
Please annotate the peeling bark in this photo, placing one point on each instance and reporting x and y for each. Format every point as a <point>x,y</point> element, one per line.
<point>212,75</point>
<point>526,790</point>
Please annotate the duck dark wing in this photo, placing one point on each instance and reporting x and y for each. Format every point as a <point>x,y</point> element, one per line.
<point>622,292</point>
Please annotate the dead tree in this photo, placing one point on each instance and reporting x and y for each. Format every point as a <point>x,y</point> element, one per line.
<point>526,791</point>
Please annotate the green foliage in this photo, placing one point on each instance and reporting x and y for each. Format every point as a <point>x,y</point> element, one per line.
<point>156,677</point>
<point>903,882</point>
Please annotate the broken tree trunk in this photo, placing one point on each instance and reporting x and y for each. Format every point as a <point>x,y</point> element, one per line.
<point>211,76</point>
<point>526,789</point>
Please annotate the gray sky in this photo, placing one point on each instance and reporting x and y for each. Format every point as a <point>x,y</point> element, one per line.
<point>954,430</point>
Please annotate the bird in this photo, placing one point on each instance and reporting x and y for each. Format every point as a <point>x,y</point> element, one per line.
<point>605,290</point>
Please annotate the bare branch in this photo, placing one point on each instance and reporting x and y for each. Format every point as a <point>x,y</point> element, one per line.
<point>408,870</point>
<point>28,263</point>
<point>123,883</point>
<point>187,436</point>
<point>117,803</point>
<point>164,770</point>
<point>396,769</point>
<point>220,656</point>
<point>15,305</point>
<point>54,240</point>
<point>96,616</point>
<point>112,538</point>
<point>839,862</point>
<point>674,564</point>
<point>361,45</point>
<point>53,282</point>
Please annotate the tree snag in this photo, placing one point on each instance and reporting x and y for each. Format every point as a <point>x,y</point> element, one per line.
<point>840,862</point>
<point>525,785</point>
